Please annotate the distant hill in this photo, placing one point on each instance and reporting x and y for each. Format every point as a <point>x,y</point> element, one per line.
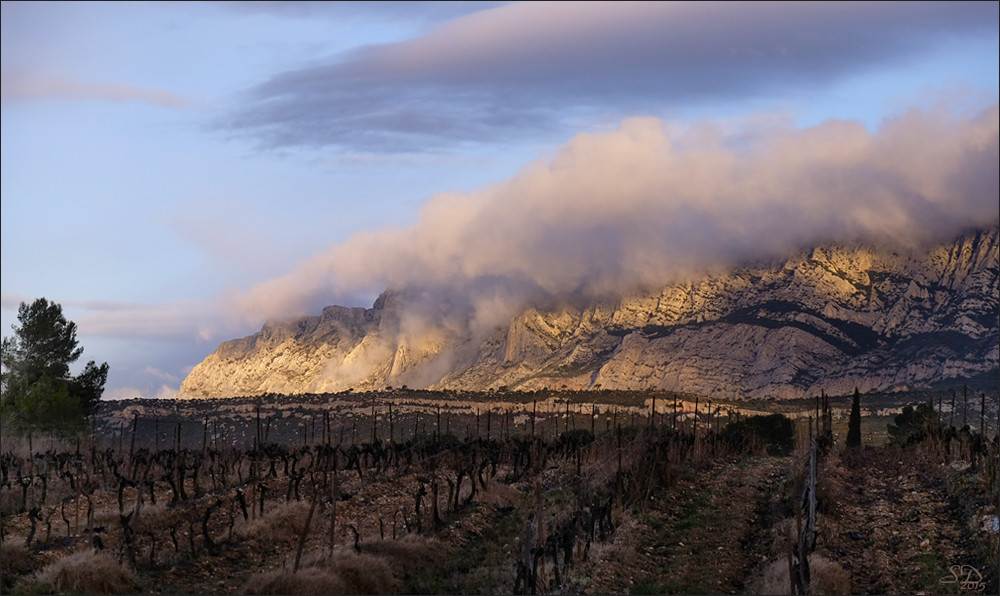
<point>833,317</point>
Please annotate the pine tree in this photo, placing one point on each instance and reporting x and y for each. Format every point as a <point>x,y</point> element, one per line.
<point>38,391</point>
<point>854,424</point>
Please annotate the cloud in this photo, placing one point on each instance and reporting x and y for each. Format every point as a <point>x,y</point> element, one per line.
<point>21,86</point>
<point>12,301</point>
<point>173,320</point>
<point>652,203</point>
<point>520,68</point>
<point>153,371</point>
<point>201,320</point>
<point>166,387</point>
<point>382,11</point>
<point>163,392</point>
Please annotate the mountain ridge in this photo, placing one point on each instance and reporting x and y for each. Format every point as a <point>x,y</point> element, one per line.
<point>831,317</point>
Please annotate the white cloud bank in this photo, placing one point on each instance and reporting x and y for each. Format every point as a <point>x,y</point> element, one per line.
<point>163,392</point>
<point>613,212</point>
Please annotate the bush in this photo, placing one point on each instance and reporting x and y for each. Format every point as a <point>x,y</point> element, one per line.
<point>86,572</point>
<point>364,574</point>
<point>411,555</point>
<point>831,481</point>
<point>283,524</point>
<point>14,561</point>
<point>344,572</point>
<point>912,425</point>
<point>774,430</point>
<point>825,577</point>
<point>47,404</point>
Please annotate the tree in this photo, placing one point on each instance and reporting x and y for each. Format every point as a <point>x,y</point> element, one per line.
<point>854,424</point>
<point>38,391</point>
<point>912,425</point>
<point>774,430</point>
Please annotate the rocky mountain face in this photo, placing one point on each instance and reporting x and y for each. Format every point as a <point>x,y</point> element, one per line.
<point>831,318</point>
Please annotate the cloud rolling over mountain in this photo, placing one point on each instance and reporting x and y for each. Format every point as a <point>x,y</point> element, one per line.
<point>616,212</point>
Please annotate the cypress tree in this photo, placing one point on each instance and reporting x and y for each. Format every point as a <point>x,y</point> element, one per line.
<point>854,424</point>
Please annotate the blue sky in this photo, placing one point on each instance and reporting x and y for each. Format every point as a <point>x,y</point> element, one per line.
<point>174,174</point>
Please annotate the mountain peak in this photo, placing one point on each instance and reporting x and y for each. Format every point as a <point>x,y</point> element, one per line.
<point>831,317</point>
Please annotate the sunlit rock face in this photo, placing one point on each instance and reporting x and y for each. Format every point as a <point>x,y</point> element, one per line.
<point>831,318</point>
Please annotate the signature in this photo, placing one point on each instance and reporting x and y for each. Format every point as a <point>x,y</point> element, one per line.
<point>966,576</point>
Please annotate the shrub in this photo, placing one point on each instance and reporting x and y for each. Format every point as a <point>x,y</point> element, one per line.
<point>775,580</point>
<point>283,524</point>
<point>86,572</point>
<point>14,560</point>
<point>363,573</point>
<point>830,485</point>
<point>409,554</point>
<point>825,577</point>
<point>912,425</point>
<point>774,430</point>
<point>344,572</point>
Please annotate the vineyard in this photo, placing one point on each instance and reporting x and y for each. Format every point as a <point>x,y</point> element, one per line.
<point>413,492</point>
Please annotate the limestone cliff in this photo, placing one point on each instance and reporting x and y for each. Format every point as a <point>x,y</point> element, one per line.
<point>834,317</point>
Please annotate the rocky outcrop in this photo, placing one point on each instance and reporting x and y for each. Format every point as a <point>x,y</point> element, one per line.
<point>834,317</point>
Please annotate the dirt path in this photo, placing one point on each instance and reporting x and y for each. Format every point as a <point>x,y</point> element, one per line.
<point>896,530</point>
<point>705,534</point>
<point>886,518</point>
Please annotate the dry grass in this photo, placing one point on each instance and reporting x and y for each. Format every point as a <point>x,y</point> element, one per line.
<point>10,501</point>
<point>344,572</point>
<point>407,555</point>
<point>13,552</point>
<point>775,580</point>
<point>785,532</point>
<point>156,518</point>
<point>826,577</point>
<point>14,560</point>
<point>283,524</point>
<point>607,551</point>
<point>498,493</point>
<point>831,478</point>
<point>86,572</point>
<point>364,574</point>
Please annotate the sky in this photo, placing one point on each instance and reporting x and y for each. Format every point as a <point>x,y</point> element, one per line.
<point>176,174</point>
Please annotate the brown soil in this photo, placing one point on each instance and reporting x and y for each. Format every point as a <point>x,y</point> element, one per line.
<point>704,535</point>
<point>897,530</point>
